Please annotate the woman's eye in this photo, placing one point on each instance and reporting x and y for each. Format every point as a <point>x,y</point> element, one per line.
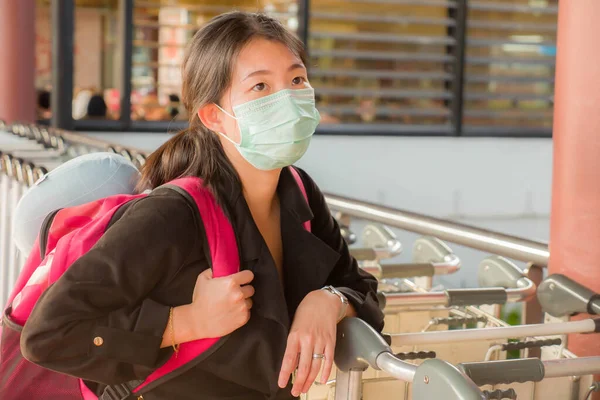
<point>259,87</point>
<point>298,80</point>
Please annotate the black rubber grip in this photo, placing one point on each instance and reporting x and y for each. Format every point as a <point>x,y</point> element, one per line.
<point>499,394</point>
<point>406,270</point>
<point>531,344</point>
<point>457,321</point>
<point>416,355</point>
<point>363,254</point>
<point>504,372</point>
<point>476,297</point>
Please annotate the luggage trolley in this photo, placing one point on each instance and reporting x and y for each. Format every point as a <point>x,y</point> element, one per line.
<point>430,257</point>
<point>360,347</point>
<point>558,375</point>
<point>419,311</point>
<point>20,167</point>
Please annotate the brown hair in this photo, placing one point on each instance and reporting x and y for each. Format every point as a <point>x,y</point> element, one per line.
<point>207,70</point>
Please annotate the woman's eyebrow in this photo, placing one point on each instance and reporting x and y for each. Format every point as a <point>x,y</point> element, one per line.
<point>268,72</point>
<point>258,72</point>
<point>296,66</point>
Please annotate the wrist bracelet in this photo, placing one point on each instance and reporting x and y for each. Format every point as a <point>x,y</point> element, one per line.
<point>172,326</point>
<point>342,298</point>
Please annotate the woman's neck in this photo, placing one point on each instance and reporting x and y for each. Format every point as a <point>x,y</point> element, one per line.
<point>259,189</point>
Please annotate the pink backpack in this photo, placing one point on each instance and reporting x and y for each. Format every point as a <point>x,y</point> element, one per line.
<point>65,236</point>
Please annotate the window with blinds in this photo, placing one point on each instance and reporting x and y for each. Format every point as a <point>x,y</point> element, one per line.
<point>509,66</point>
<point>415,67</point>
<point>383,66</point>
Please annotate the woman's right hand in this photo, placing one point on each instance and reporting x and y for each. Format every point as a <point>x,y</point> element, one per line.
<point>221,305</point>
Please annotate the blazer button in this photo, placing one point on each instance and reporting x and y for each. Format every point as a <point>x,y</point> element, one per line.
<point>98,341</point>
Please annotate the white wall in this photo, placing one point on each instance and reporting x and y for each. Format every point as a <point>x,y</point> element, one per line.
<point>495,183</point>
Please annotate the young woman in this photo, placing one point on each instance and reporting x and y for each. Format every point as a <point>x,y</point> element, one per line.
<point>252,115</point>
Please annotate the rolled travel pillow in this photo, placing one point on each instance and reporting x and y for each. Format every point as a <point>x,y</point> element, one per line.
<point>78,181</point>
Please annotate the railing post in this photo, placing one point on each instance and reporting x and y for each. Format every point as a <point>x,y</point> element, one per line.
<point>533,313</point>
<point>532,310</point>
<point>348,385</point>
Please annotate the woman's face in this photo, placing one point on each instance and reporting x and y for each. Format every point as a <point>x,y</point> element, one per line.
<point>263,67</point>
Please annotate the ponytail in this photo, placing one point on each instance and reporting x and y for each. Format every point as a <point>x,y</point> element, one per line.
<point>195,151</point>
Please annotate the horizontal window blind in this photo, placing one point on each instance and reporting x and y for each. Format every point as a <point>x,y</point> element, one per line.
<point>383,65</point>
<point>510,59</point>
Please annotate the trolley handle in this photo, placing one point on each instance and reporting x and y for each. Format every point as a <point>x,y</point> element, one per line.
<point>476,297</point>
<point>504,372</point>
<point>410,270</point>
<point>374,254</point>
<point>561,296</point>
<point>449,265</point>
<point>523,290</point>
<point>379,243</point>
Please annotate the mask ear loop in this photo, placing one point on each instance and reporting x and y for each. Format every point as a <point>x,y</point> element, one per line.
<point>224,135</point>
<point>219,107</point>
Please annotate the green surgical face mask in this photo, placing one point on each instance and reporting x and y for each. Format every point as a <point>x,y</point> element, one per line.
<point>275,130</point>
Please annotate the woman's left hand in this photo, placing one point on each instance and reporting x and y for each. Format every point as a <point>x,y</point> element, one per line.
<point>313,332</point>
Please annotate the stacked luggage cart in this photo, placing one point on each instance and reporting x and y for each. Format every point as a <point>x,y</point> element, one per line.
<point>448,344</point>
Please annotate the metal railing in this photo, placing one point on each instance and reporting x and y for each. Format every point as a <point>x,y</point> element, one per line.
<point>480,239</point>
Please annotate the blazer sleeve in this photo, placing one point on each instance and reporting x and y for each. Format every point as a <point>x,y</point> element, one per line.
<point>98,321</point>
<point>358,286</point>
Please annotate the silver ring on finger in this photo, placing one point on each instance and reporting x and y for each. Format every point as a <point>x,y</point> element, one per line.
<point>318,356</point>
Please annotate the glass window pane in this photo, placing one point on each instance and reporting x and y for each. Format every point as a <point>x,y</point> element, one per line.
<point>510,63</point>
<point>382,62</point>
<point>96,60</point>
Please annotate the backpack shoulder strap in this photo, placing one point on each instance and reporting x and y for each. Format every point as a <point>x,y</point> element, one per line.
<point>219,232</point>
<point>300,183</point>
